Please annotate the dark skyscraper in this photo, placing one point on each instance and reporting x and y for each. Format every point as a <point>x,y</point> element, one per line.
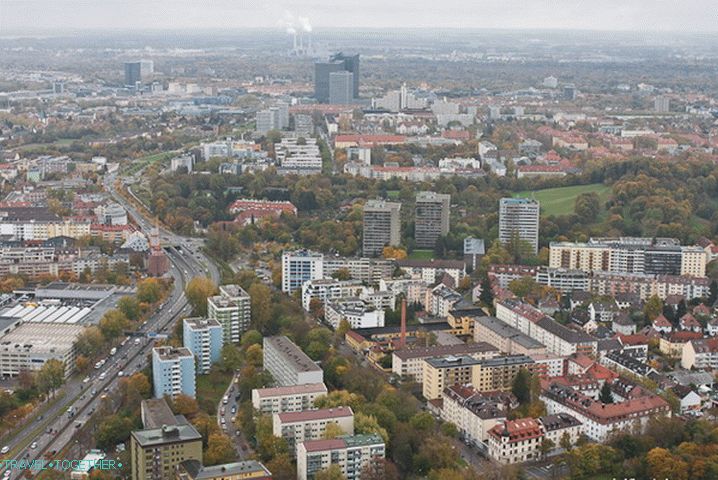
<point>133,73</point>
<point>337,63</point>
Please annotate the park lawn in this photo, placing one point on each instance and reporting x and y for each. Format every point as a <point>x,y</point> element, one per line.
<point>421,255</point>
<point>140,163</point>
<point>393,194</point>
<point>561,200</point>
<point>211,388</point>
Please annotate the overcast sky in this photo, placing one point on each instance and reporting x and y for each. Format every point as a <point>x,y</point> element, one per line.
<point>638,15</point>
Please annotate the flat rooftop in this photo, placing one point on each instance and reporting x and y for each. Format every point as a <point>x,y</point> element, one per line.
<point>291,353</point>
<point>291,390</point>
<point>41,338</point>
<point>166,434</point>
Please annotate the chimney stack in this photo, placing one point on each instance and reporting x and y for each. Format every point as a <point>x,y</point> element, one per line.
<point>402,340</point>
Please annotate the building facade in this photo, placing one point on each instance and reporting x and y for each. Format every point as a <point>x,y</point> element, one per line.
<point>204,339</point>
<point>519,218</point>
<point>288,364</point>
<point>431,220</point>
<point>381,226</point>
<point>232,309</point>
<point>173,372</point>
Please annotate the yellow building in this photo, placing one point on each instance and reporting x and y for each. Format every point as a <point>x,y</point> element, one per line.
<point>156,453</point>
<point>248,470</point>
<point>498,373</point>
<point>442,372</point>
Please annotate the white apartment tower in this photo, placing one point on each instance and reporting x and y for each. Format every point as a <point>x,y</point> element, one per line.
<point>519,217</point>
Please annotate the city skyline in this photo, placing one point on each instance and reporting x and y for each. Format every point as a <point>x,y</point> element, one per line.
<point>46,17</point>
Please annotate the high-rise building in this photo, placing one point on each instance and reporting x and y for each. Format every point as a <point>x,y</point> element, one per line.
<point>662,104</point>
<point>300,266</point>
<point>155,453</point>
<point>569,91</point>
<point>133,73</point>
<point>203,338</point>
<point>432,218</point>
<point>341,87</point>
<point>232,310</point>
<point>173,372</point>
<point>266,120</point>
<point>381,226</point>
<point>519,217</point>
<point>337,63</point>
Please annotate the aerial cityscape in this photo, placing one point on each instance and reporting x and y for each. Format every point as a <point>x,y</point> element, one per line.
<point>253,242</point>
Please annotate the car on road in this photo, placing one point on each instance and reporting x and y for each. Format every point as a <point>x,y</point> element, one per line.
<point>120,373</point>
<point>33,445</point>
<point>5,449</point>
<point>78,424</point>
<point>102,376</point>
<point>93,392</point>
<point>234,409</point>
<point>225,400</point>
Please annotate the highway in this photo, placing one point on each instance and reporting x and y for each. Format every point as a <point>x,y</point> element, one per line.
<point>44,436</point>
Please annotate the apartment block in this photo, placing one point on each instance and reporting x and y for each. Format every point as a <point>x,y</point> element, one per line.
<point>475,413</point>
<point>519,217</point>
<point>441,372</point>
<point>328,289</point>
<point>246,470</point>
<point>232,308</point>
<point>203,337</point>
<point>156,453</point>
<point>409,362</point>
<point>298,427</point>
<point>498,373</point>
<point>381,226</point>
<point>352,453</point>
<point>507,339</point>
<point>288,364</point>
<point>431,218</point>
<point>300,266</point>
<point>359,313</point>
<point>296,398</point>
<point>173,371</point>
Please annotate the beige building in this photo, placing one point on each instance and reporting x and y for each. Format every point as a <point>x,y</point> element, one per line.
<point>352,453</point>
<point>298,427</point>
<point>30,345</point>
<point>381,226</point>
<point>475,413</point>
<point>247,470</point>
<point>155,453</point>
<point>441,372</point>
<point>506,338</point>
<point>498,373</point>
<point>409,362</point>
<point>294,398</point>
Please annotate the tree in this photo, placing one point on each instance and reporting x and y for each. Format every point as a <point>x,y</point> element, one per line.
<point>521,387</point>
<point>219,450</point>
<point>184,405</point>
<point>231,357</point>
<point>435,452</point>
<point>332,472</point>
<point>339,398</point>
<point>254,356</point>
<point>367,424</point>
<point>652,308</point>
<point>130,307</point>
<point>606,396</point>
<point>661,464</point>
<point>51,376</point>
<point>343,328</point>
<point>333,430</point>
<point>546,446</point>
<point>378,469</point>
<point>565,442</point>
<point>261,302</point>
<point>197,291</point>
<point>251,337</point>
<point>423,422</point>
<point>113,430</point>
<point>139,382</point>
<point>397,253</point>
<point>587,207</point>
<point>149,290</point>
<point>486,296</point>
<point>525,287</point>
<point>282,468</point>
<point>113,323</point>
<point>90,341</point>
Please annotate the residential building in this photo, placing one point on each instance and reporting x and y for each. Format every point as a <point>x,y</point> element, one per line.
<point>507,339</point>
<point>441,372</point>
<point>662,104</point>
<point>475,413</point>
<point>700,354</point>
<point>328,289</point>
<point>173,372</point>
<point>288,364</point>
<point>429,271</point>
<point>600,420</point>
<point>409,362</point>
<point>559,339</point>
<point>431,218</point>
<point>515,441</point>
<point>556,426</point>
<point>245,470</point>
<point>631,255</point>
<point>155,453</point>
<point>381,226</point>
<point>298,427</point>
<point>295,398</point>
<point>298,157</point>
<point>232,309</point>
<point>352,453</point>
<point>204,338</point>
<point>357,312</point>
<point>498,373</point>
<point>300,266</point>
<point>519,219</point>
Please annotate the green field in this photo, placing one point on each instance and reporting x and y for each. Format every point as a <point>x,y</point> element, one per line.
<point>143,162</point>
<point>422,255</point>
<point>211,388</point>
<point>560,201</point>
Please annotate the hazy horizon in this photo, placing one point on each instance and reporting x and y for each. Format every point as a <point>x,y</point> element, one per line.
<point>46,17</point>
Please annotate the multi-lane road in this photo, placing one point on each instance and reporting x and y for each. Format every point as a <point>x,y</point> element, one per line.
<point>44,436</point>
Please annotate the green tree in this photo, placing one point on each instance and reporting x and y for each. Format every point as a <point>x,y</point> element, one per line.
<point>565,442</point>
<point>333,430</point>
<point>605,395</point>
<point>486,296</point>
<point>587,207</point>
<point>130,307</point>
<point>332,472</point>
<point>149,290</point>
<point>652,308</point>
<point>366,424</point>
<point>251,337</point>
<point>113,324</point>
<point>521,386</point>
<point>261,301</point>
<point>546,446</point>
<point>51,376</point>
<point>113,430</point>
<point>197,291</point>
<point>219,450</point>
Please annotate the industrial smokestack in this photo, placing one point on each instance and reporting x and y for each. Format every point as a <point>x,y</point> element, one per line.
<point>402,339</point>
